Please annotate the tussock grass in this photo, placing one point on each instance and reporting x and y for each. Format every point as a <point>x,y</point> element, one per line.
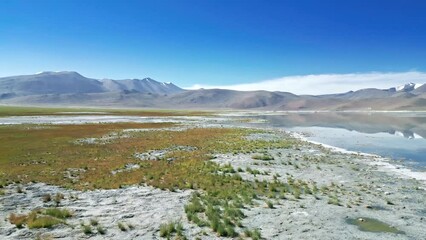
<point>43,222</point>
<point>263,157</point>
<point>57,213</point>
<point>41,218</point>
<point>87,229</point>
<point>101,230</point>
<point>167,230</point>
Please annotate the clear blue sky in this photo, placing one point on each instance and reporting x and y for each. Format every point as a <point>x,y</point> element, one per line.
<point>211,42</point>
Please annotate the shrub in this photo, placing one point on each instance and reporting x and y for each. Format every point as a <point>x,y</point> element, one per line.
<point>270,204</point>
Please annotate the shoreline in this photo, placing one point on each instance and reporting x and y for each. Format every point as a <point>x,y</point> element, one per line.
<point>375,160</point>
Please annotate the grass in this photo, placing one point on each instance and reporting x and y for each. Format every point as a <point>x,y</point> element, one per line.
<point>43,222</point>
<point>334,201</point>
<point>45,153</point>
<point>40,218</point>
<point>57,213</point>
<point>122,226</point>
<point>269,204</point>
<point>6,111</point>
<point>87,229</point>
<point>167,230</point>
<point>263,157</point>
<point>254,234</point>
<point>101,230</point>
<point>46,198</point>
<point>94,222</point>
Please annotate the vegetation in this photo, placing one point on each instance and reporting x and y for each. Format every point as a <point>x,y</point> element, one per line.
<point>40,111</point>
<point>101,230</point>
<point>17,220</point>
<point>255,234</point>
<point>264,157</point>
<point>122,226</point>
<point>168,229</point>
<point>40,218</point>
<point>224,193</point>
<point>87,229</point>
<point>57,213</point>
<point>94,222</point>
<point>46,198</point>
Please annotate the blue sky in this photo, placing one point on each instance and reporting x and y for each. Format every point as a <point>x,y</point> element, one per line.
<point>214,43</point>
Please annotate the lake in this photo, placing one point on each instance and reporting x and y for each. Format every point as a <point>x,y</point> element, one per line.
<point>401,136</point>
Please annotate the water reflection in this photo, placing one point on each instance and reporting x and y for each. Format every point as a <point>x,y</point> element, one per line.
<point>408,125</point>
<point>396,135</point>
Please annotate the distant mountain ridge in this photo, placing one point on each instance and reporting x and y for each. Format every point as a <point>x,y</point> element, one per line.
<point>71,88</point>
<point>67,82</point>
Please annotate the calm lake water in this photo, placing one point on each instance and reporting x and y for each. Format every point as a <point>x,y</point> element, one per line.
<point>401,136</point>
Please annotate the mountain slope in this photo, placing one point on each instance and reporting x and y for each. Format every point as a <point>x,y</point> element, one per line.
<point>146,85</point>
<point>220,98</point>
<point>73,83</point>
<point>49,83</point>
<point>71,88</point>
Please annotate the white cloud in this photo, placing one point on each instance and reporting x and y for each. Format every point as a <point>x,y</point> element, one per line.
<point>328,83</point>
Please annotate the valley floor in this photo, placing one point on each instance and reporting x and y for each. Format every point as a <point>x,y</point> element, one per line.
<point>196,178</point>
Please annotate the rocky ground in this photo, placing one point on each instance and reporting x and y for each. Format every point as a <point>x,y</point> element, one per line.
<point>140,209</point>
<point>356,189</point>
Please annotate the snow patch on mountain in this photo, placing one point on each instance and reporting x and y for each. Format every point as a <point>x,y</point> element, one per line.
<point>408,87</point>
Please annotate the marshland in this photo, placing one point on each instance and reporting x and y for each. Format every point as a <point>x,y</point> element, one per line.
<point>108,173</point>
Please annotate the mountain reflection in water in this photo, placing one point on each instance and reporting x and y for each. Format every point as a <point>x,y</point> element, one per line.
<point>396,135</point>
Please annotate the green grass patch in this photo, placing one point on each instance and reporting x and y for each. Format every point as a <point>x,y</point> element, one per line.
<point>263,157</point>
<point>43,222</point>
<point>167,230</point>
<point>6,111</point>
<point>57,213</point>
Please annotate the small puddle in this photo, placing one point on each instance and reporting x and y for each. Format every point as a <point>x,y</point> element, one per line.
<point>378,207</point>
<point>372,225</point>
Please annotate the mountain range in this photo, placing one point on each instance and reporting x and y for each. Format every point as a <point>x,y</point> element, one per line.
<point>72,89</point>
